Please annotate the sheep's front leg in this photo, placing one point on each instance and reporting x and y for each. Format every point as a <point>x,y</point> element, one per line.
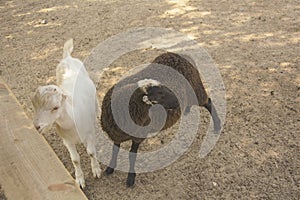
<point>132,159</point>
<point>113,162</point>
<point>76,162</point>
<point>91,150</point>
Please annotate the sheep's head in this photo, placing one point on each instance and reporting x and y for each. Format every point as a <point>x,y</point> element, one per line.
<point>156,93</point>
<point>48,104</point>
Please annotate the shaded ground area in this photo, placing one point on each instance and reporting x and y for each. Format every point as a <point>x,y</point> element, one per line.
<point>256,46</point>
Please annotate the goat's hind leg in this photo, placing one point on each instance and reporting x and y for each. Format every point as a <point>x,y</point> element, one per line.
<point>91,150</point>
<point>211,108</point>
<point>76,163</point>
<point>113,162</point>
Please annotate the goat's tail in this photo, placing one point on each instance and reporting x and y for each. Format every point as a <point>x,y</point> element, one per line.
<point>68,48</point>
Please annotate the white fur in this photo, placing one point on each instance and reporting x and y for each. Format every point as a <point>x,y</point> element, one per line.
<point>148,82</point>
<point>72,107</point>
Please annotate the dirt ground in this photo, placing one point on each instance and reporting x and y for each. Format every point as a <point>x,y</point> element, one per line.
<point>255,45</point>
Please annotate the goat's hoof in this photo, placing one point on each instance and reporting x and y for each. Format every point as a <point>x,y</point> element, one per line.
<point>109,170</point>
<point>81,183</point>
<point>130,179</point>
<point>96,172</point>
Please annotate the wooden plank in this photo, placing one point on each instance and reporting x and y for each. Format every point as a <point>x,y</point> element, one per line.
<point>29,168</point>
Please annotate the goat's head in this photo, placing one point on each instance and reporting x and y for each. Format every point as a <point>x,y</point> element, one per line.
<point>48,102</point>
<point>156,93</point>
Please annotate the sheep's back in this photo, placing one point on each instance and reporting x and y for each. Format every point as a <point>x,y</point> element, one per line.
<point>190,72</point>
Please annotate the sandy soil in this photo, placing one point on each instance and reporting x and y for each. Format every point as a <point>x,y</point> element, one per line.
<point>256,46</point>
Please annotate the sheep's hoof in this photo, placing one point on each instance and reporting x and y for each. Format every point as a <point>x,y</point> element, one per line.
<point>187,110</point>
<point>130,179</point>
<point>109,170</point>
<point>217,125</point>
<point>217,129</point>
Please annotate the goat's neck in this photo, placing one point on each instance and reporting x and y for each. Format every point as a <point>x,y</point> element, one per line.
<point>65,120</point>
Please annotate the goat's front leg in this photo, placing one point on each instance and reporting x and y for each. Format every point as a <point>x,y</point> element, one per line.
<point>113,162</point>
<point>132,159</point>
<point>76,162</point>
<point>91,150</point>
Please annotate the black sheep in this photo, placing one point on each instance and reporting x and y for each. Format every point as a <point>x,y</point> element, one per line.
<point>147,92</point>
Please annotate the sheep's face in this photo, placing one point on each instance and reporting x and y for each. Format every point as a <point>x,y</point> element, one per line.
<point>48,104</point>
<point>161,95</point>
<point>155,93</point>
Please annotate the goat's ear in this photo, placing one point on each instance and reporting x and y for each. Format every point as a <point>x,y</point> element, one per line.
<point>35,92</point>
<point>68,48</point>
<point>32,95</point>
<point>64,97</point>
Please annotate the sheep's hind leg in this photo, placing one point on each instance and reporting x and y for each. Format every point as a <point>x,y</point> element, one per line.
<point>132,159</point>
<point>113,162</point>
<point>211,108</point>
<point>91,150</point>
<point>76,162</point>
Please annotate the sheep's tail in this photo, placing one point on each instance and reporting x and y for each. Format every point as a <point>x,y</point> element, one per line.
<point>68,48</point>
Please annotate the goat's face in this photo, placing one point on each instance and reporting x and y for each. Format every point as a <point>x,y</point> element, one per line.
<point>48,102</point>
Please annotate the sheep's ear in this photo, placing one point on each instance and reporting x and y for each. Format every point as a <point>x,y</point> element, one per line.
<point>144,90</point>
<point>146,100</point>
<point>68,48</point>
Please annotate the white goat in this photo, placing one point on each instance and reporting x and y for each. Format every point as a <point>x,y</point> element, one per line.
<point>72,107</point>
